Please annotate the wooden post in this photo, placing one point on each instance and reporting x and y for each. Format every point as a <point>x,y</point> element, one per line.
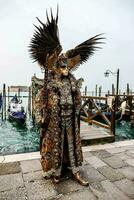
<point>32,102</point>
<point>128,89</point>
<point>100,88</point>
<point>86,90</point>
<point>29,100</point>
<point>96,88</point>
<point>4,102</point>
<point>106,95</point>
<point>113,110</point>
<point>19,93</point>
<point>89,111</point>
<point>2,109</point>
<point>124,95</point>
<point>8,94</point>
<point>113,89</point>
<point>100,93</point>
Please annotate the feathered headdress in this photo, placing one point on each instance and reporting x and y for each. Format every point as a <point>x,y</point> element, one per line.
<point>45,46</point>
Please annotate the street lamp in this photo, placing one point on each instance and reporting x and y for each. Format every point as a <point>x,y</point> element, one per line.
<point>106,74</point>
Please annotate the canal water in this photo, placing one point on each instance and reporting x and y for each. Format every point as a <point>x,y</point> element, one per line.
<point>124,131</point>
<point>15,138</point>
<point>20,139</point>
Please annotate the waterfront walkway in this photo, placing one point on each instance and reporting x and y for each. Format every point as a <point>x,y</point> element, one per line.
<point>91,134</point>
<point>109,169</point>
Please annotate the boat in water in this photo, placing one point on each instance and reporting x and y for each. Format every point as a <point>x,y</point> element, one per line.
<point>16,111</point>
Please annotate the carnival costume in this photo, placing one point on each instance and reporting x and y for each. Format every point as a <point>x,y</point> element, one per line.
<point>58,103</point>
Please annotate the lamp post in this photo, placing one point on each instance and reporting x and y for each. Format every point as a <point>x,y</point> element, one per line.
<point>106,74</point>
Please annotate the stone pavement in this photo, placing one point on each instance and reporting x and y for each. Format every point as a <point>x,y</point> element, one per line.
<point>109,169</point>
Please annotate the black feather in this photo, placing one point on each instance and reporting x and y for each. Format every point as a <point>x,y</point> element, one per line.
<point>45,39</point>
<point>85,49</point>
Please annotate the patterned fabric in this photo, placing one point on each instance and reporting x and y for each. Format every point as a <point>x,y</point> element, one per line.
<point>62,127</point>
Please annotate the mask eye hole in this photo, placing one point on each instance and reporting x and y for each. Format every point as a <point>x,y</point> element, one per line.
<point>63,66</point>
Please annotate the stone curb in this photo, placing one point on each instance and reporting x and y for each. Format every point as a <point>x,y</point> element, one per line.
<point>36,155</point>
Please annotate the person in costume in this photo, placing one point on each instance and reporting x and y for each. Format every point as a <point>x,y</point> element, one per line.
<point>58,103</point>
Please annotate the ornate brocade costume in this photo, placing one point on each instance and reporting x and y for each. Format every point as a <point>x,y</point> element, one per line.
<point>60,140</point>
<point>57,105</point>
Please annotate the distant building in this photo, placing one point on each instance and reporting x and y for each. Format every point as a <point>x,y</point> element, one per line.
<point>20,88</point>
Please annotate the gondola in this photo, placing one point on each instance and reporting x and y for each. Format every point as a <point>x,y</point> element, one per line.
<point>16,111</point>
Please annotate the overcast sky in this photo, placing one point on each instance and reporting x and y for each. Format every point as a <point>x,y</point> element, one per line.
<point>78,21</point>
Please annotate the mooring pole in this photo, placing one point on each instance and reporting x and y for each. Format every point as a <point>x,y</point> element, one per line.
<point>33,98</point>
<point>100,93</point>
<point>100,88</point>
<point>117,84</point>
<point>96,90</point>
<point>8,94</point>
<point>29,100</point>
<point>113,89</point>
<point>128,90</point>
<point>4,101</point>
<point>86,90</point>
<point>19,93</point>
<point>113,110</point>
<point>2,110</point>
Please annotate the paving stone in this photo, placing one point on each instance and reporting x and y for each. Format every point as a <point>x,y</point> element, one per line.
<point>15,194</point>
<point>30,165</point>
<point>130,162</point>
<point>40,190</point>
<point>10,181</point>
<point>95,162</point>
<point>9,168</point>
<point>128,172</point>
<point>85,162</point>
<point>130,154</point>
<point>110,173</point>
<point>97,147</point>
<point>85,195</point>
<point>124,143</point>
<point>128,147</point>
<point>115,150</point>
<point>57,197</point>
<point>22,156</point>
<point>87,154</point>
<point>115,162</point>
<point>91,174</point>
<point>123,156</point>
<point>67,186</point>
<point>132,151</point>
<point>126,186</point>
<point>32,176</point>
<point>105,190</point>
<point>101,153</point>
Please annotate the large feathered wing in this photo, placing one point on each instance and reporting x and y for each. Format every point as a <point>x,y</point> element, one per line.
<point>83,51</point>
<point>45,40</point>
